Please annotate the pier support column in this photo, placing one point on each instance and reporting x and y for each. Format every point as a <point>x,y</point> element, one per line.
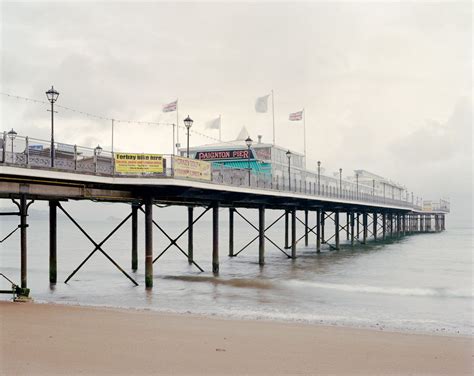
<point>358,226</point>
<point>149,242</point>
<point>318,230</point>
<point>287,226</point>
<point>391,224</point>
<point>364,228</point>
<point>336,228</point>
<point>53,205</point>
<point>443,222</point>
<point>261,235</point>
<point>352,229</point>
<point>347,226</point>
<point>374,225</point>
<point>306,238</point>
<point>190,234</point>
<point>421,223</point>
<point>384,225</point>
<point>399,224</point>
<point>293,233</point>
<point>323,221</point>
<point>231,232</point>
<point>215,239</point>
<point>403,219</point>
<point>134,237</point>
<point>23,241</point>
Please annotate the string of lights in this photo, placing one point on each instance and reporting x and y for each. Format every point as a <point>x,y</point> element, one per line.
<point>100,117</point>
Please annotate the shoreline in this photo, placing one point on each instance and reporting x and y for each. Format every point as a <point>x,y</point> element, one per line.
<point>221,316</point>
<point>51,338</point>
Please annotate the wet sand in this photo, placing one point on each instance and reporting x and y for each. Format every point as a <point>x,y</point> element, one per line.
<point>46,339</point>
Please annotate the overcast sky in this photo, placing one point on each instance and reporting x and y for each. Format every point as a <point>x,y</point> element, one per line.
<point>386,87</point>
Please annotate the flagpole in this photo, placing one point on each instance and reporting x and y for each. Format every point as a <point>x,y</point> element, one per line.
<point>220,128</point>
<point>273,116</point>
<point>177,122</point>
<point>304,136</point>
<point>174,143</point>
<point>112,138</point>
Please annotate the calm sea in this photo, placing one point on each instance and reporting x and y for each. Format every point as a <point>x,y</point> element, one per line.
<point>420,283</point>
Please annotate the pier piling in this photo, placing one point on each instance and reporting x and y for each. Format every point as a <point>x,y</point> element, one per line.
<point>149,242</point>
<point>53,211</point>
<point>231,232</point>
<point>135,237</point>
<point>318,230</point>
<point>215,238</point>
<point>190,234</point>
<point>293,233</point>
<point>261,235</point>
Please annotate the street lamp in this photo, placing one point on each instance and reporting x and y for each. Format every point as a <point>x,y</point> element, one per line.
<point>357,185</point>
<point>248,142</point>
<point>52,96</point>
<point>12,135</point>
<point>97,151</point>
<point>340,182</point>
<point>319,177</point>
<point>288,155</point>
<point>188,123</point>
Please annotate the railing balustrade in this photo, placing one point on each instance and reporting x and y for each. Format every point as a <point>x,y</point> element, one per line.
<point>34,153</point>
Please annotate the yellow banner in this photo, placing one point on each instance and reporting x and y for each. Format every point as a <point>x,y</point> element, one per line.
<point>191,168</point>
<point>138,163</point>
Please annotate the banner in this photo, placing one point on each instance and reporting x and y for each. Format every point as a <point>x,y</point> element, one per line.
<point>138,163</point>
<point>191,168</point>
<point>217,155</point>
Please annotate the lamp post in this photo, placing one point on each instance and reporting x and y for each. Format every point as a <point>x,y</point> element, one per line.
<point>373,187</point>
<point>52,96</point>
<point>357,185</point>
<point>97,151</point>
<point>288,155</point>
<point>340,182</point>
<point>188,123</point>
<point>12,135</point>
<point>248,142</point>
<point>319,177</point>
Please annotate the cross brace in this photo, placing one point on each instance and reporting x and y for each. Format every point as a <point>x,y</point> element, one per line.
<point>97,246</point>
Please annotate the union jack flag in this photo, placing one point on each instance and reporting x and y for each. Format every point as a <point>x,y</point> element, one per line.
<point>295,116</point>
<point>170,107</point>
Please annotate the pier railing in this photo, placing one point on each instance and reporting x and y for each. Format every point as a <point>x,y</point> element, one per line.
<point>35,153</point>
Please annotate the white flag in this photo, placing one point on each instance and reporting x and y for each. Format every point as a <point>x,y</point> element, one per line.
<point>214,124</point>
<point>170,107</point>
<point>261,104</point>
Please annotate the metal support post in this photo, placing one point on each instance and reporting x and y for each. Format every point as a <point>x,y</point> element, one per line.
<point>23,240</point>
<point>231,232</point>
<point>287,226</point>
<point>391,223</point>
<point>352,228</point>
<point>336,228</point>
<point>384,225</point>
<point>347,225</point>
<point>190,234</point>
<point>358,226</point>
<point>306,237</point>
<point>374,224</point>
<point>323,221</point>
<point>399,224</point>
<point>149,242</point>
<point>261,235</point>
<point>364,228</point>
<point>215,238</point>
<point>293,233</point>
<point>318,230</point>
<point>135,237</point>
<point>404,227</point>
<point>53,206</point>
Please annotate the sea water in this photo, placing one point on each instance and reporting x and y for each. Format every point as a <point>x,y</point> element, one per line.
<point>419,283</point>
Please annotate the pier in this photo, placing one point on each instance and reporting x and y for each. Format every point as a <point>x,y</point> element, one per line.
<point>330,210</point>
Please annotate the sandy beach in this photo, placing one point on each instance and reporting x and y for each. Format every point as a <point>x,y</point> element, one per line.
<point>45,339</point>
